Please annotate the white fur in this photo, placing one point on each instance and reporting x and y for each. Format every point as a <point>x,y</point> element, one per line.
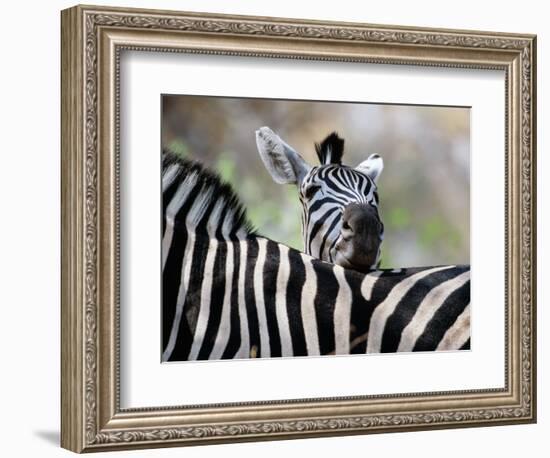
<point>309,319</point>
<point>458,332</point>
<point>372,167</point>
<point>342,313</point>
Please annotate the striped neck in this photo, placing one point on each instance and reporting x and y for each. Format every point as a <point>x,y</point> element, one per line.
<point>197,201</point>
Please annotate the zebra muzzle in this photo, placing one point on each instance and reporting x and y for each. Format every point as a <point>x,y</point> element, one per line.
<point>358,246</point>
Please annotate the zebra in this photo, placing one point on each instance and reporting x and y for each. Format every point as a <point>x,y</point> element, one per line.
<point>229,292</point>
<point>340,220</point>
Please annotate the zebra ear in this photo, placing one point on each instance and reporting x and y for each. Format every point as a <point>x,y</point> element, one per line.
<point>283,163</point>
<point>372,167</point>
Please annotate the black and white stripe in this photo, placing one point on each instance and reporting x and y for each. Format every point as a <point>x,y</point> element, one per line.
<point>324,192</point>
<point>230,293</point>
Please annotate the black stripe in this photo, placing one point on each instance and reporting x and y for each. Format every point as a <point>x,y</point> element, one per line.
<point>408,305</point>
<point>167,196</point>
<point>250,299</point>
<point>318,204</point>
<point>325,297</point>
<point>338,191</point>
<point>466,345</point>
<point>443,319</point>
<point>319,224</point>
<point>330,248</point>
<point>192,303</point>
<point>337,195</point>
<point>234,341</point>
<point>327,234</point>
<point>345,177</point>
<point>270,270</point>
<point>296,280</point>
<point>355,181</point>
<point>386,281</point>
<point>361,310</point>
<point>171,276</point>
<point>223,213</point>
<point>216,302</point>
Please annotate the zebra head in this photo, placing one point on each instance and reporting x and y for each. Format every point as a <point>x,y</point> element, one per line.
<point>340,221</point>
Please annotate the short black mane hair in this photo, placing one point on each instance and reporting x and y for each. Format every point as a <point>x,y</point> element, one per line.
<point>330,150</point>
<point>209,182</point>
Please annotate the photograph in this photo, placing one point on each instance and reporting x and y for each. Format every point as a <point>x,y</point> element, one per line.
<point>308,228</point>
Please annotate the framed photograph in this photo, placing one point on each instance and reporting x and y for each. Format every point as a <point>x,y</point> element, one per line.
<point>278,228</point>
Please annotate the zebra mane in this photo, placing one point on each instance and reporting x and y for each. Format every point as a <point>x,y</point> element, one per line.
<point>209,204</point>
<point>330,150</point>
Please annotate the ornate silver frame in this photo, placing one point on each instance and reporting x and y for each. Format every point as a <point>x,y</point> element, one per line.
<point>92,39</point>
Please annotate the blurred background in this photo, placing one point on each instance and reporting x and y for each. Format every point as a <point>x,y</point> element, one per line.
<point>424,189</point>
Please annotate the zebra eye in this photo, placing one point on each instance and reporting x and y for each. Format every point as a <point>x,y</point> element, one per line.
<point>311,191</point>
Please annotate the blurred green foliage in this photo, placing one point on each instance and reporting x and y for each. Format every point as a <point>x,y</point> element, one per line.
<point>226,166</point>
<point>179,147</point>
<point>398,218</point>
